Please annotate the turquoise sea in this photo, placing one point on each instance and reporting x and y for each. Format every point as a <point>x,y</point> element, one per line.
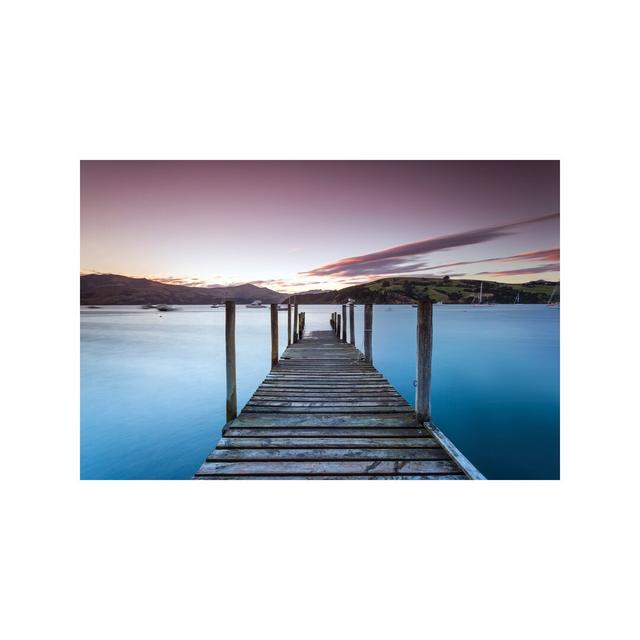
<point>153,385</point>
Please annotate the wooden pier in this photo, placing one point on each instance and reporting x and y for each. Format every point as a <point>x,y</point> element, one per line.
<point>325,412</point>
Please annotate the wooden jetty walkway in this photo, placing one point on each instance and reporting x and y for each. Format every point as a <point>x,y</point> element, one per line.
<point>325,412</point>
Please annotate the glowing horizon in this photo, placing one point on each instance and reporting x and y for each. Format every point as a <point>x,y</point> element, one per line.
<point>300,225</point>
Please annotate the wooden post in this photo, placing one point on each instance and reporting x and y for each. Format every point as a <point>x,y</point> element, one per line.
<point>338,325</point>
<point>344,323</point>
<point>274,335</point>
<point>352,324</point>
<point>368,331</point>
<point>230,344</point>
<point>423,374</point>
<point>295,321</point>
<point>289,322</point>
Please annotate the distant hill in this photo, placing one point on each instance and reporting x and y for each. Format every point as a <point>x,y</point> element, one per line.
<point>410,290</point>
<point>105,289</point>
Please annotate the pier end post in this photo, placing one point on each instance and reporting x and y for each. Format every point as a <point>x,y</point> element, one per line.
<point>295,322</point>
<point>274,335</point>
<point>424,346</point>
<point>230,346</point>
<point>368,331</point>
<point>344,323</point>
<point>352,324</point>
<point>289,322</point>
<point>338,326</point>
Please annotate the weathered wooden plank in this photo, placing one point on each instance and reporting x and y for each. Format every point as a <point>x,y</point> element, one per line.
<point>350,376</point>
<point>283,397</point>
<point>383,409</point>
<point>395,467</point>
<point>322,443</point>
<point>440,476</point>
<point>328,432</point>
<point>325,384</point>
<point>339,389</point>
<point>392,403</point>
<point>320,420</point>
<point>268,455</point>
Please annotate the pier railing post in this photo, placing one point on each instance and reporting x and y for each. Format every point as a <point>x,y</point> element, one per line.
<point>344,323</point>
<point>295,322</point>
<point>352,324</point>
<point>423,373</point>
<point>230,345</point>
<point>368,331</point>
<point>289,322</point>
<point>338,325</point>
<point>274,335</point>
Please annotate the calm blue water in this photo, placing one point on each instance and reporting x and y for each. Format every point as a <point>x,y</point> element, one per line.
<point>153,386</point>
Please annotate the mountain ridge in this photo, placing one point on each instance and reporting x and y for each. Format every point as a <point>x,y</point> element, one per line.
<point>108,288</point>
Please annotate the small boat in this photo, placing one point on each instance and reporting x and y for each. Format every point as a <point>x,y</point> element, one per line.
<point>216,306</point>
<point>148,306</point>
<point>350,301</point>
<point>92,306</point>
<point>164,307</point>
<point>517,300</point>
<point>256,304</point>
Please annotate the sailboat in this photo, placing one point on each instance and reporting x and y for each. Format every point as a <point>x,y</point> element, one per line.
<point>517,300</point>
<point>554,305</point>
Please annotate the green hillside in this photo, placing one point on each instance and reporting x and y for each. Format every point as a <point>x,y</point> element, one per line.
<point>410,290</point>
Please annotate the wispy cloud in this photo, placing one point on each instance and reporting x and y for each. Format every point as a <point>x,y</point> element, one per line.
<point>188,282</point>
<point>551,255</point>
<point>542,268</point>
<point>411,257</point>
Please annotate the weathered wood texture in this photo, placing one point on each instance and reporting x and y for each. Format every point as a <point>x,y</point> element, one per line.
<point>230,346</point>
<point>352,324</point>
<point>274,335</point>
<point>423,361</point>
<point>344,323</point>
<point>324,413</point>
<point>368,332</point>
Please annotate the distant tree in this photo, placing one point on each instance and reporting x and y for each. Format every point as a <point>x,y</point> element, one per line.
<point>445,278</point>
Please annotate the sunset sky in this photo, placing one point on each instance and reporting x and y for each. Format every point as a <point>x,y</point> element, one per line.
<point>294,226</point>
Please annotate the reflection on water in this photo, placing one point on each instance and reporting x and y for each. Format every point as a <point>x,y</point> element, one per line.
<point>153,386</point>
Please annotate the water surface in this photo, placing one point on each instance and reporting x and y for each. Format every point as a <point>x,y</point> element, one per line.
<point>153,386</point>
